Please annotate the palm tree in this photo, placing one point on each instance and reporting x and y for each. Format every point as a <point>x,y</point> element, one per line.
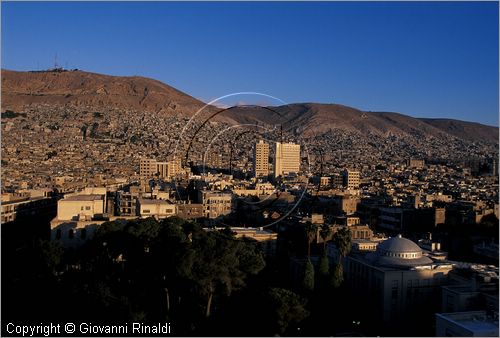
<point>325,232</point>
<point>310,230</point>
<point>342,239</point>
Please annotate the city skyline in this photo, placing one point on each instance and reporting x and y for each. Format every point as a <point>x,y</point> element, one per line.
<point>132,207</point>
<point>437,60</point>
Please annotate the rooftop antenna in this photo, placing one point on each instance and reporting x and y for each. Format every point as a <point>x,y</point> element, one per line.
<point>55,62</point>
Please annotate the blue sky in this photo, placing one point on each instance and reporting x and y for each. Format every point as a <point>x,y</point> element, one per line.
<point>421,59</point>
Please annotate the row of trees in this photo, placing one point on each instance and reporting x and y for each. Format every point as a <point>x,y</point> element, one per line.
<point>151,271</point>
<point>326,277</point>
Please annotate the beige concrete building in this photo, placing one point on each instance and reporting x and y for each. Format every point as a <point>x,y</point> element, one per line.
<point>267,239</point>
<point>261,159</point>
<point>190,210</point>
<point>149,167</point>
<point>351,179</point>
<point>13,208</point>
<point>80,207</point>
<point>73,233</point>
<point>162,169</point>
<point>324,181</point>
<point>259,190</point>
<point>215,203</point>
<point>286,159</point>
<point>156,208</point>
<point>78,216</point>
<point>213,159</point>
<point>360,231</point>
<point>174,168</point>
<point>347,204</point>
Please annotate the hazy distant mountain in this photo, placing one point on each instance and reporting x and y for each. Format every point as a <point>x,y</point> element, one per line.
<point>465,130</point>
<point>21,89</point>
<point>313,118</point>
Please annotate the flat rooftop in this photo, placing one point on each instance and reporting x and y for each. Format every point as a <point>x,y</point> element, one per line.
<point>475,321</point>
<point>83,198</point>
<point>153,201</point>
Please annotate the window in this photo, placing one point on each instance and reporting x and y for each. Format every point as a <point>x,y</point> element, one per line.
<point>81,208</point>
<point>146,211</point>
<point>87,208</point>
<point>71,234</point>
<point>394,293</point>
<point>58,234</point>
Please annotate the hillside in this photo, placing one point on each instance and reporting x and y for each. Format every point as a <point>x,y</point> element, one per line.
<point>78,88</point>
<point>465,130</point>
<point>83,89</point>
<point>312,119</point>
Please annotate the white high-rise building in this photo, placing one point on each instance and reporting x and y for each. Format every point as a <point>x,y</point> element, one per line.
<point>261,159</point>
<point>286,158</point>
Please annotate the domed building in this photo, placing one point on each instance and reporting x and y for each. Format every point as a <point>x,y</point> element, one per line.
<point>399,252</point>
<point>396,280</point>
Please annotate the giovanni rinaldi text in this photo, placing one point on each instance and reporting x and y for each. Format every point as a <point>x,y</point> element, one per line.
<point>50,329</point>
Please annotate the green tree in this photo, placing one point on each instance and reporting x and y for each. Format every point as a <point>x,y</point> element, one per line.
<point>173,257</point>
<point>324,266</point>
<point>310,233</point>
<point>325,232</point>
<point>51,253</point>
<point>343,242</point>
<point>337,276</point>
<point>145,229</point>
<point>222,265</point>
<point>308,281</point>
<point>285,309</point>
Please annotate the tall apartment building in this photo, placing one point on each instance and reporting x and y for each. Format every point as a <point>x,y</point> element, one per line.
<point>286,158</point>
<point>351,179</point>
<point>147,167</point>
<point>261,159</point>
<point>150,167</point>
<point>174,168</point>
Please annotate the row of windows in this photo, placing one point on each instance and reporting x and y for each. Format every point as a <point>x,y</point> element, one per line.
<point>8,218</point>
<point>168,211</point>
<point>403,255</point>
<point>86,208</point>
<point>217,201</point>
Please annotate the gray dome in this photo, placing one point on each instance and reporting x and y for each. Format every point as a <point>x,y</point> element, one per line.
<point>398,245</point>
<point>399,252</point>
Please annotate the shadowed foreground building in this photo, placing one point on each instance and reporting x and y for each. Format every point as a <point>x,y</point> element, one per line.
<point>396,281</point>
<point>466,324</point>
